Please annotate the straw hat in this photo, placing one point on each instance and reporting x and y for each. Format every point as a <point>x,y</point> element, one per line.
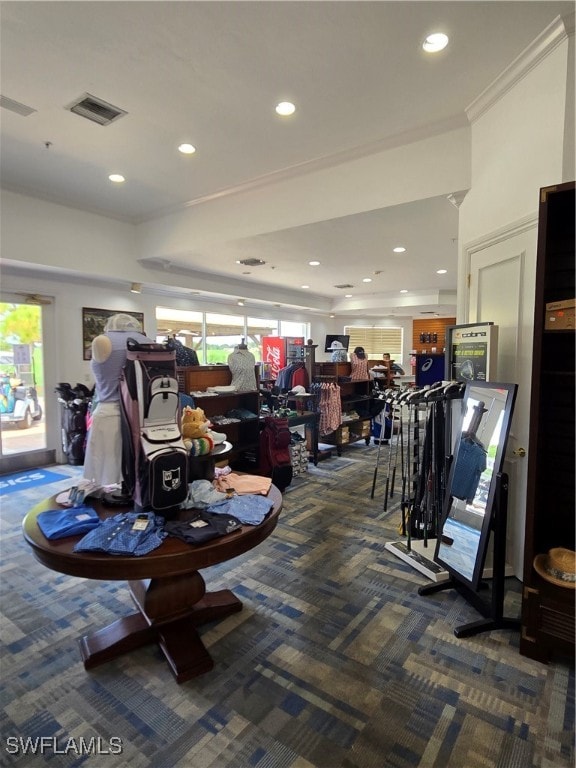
<point>558,567</point>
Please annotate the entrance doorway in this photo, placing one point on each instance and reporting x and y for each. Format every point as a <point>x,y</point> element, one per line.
<point>22,386</point>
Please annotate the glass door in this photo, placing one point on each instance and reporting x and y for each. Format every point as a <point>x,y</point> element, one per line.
<point>22,387</point>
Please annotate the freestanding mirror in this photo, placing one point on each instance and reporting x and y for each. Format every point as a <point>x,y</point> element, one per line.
<point>475,501</point>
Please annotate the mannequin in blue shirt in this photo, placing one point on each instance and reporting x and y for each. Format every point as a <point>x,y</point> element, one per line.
<point>103,462</point>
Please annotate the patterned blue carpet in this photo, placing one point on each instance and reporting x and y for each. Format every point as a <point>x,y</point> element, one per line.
<point>334,661</point>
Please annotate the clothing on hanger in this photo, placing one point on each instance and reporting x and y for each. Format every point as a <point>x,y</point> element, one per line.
<point>242,364</point>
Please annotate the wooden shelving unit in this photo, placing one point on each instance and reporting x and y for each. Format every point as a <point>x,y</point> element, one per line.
<point>244,435</point>
<point>548,625</point>
<point>354,395</point>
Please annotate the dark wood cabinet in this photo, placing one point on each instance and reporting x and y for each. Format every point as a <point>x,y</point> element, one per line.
<point>548,625</point>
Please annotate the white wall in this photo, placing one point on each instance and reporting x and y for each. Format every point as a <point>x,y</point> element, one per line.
<point>38,232</point>
<point>514,154</point>
<point>518,146</point>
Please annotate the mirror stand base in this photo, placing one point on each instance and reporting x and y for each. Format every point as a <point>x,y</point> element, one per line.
<point>486,625</point>
<point>491,611</point>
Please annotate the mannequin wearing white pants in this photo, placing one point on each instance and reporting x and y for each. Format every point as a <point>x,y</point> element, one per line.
<point>103,460</point>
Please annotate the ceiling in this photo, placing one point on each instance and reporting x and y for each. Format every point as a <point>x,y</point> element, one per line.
<point>211,73</point>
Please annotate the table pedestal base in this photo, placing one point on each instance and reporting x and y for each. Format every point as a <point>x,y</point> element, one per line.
<point>169,622</point>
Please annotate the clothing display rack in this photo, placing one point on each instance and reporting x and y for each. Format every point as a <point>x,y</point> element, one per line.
<point>420,445</point>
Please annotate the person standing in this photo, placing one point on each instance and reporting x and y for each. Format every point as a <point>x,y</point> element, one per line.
<point>359,363</point>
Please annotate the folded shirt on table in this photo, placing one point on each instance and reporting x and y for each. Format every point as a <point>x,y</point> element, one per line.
<point>59,523</point>
<point>202,493</point>
<point>249,509</point>
<point>125,534</point>
<point>202,527</point>
<point>243,484</point>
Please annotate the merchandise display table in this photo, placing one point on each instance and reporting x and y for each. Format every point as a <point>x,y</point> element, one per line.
<point>166,586</point>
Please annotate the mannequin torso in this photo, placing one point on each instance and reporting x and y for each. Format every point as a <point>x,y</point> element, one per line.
<point>242,367</point>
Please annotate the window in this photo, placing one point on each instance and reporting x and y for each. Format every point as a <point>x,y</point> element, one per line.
<point>213,336</point>
<point>223,333</point>
<point>185,325</point>
<point>256,328</point>
<point>376,341</point>
<point>288,328</point>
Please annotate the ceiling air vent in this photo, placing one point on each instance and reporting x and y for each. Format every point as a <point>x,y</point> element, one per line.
<point>251,262</point>
<point>16,106</point>
<point>95,109</point>
<point>344,285</point>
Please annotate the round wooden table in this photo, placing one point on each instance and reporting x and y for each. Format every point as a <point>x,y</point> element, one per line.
<point>166,586</point>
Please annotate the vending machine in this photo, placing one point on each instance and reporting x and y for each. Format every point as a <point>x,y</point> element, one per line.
<point>280,351</point>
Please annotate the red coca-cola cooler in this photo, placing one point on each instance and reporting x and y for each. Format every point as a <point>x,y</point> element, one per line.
<point>280,351</point>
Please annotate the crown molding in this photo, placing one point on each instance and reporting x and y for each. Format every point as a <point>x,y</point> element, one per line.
<point>412,136</point>
<point>549,39</point>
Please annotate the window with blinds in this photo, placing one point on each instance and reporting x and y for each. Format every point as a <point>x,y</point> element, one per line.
<point>376,341</point>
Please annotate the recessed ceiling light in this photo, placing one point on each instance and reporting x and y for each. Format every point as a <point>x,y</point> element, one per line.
<point>240,302</point>
<point>403,290</point>
<point>366,279</point>
<point>314,263</point>
<point>435,42</point>
<point>304,286</point>
<point>399,249</point>
<point>285,108</point>
<point>187,149</point>
<point>117,178</point>
<point>441,271</point>
<point>347,295</point>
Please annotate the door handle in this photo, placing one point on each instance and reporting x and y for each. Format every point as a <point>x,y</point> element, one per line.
<point>519,452</point>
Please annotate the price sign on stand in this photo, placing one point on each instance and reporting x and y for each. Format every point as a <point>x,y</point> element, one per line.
<point>21,354</point>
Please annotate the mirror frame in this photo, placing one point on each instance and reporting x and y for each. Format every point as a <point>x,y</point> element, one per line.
<point>509,390</point>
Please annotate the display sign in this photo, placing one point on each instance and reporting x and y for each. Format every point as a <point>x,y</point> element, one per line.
<point>471,352</point>
<point>22,354</point>
<point>429,369</point>
<point>274,353</point>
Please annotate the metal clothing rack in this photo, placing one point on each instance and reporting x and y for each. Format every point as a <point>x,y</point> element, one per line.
<point>421,445</point>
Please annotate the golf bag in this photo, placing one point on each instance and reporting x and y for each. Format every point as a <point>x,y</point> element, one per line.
<point>154,458</point>
<point>75,403</point>
<point>275,458</point>
<point>382,425</point>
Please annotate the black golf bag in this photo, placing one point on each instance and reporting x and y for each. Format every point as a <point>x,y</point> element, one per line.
<point>74,402</point>
<point>154,458</point>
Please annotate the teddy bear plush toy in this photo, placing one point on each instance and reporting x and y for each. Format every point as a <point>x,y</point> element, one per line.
<point>198,436</point>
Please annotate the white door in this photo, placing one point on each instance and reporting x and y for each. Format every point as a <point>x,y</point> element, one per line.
<point>502,269</point>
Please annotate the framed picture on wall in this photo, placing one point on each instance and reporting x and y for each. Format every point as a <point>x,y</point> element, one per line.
<point>93,322</point>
